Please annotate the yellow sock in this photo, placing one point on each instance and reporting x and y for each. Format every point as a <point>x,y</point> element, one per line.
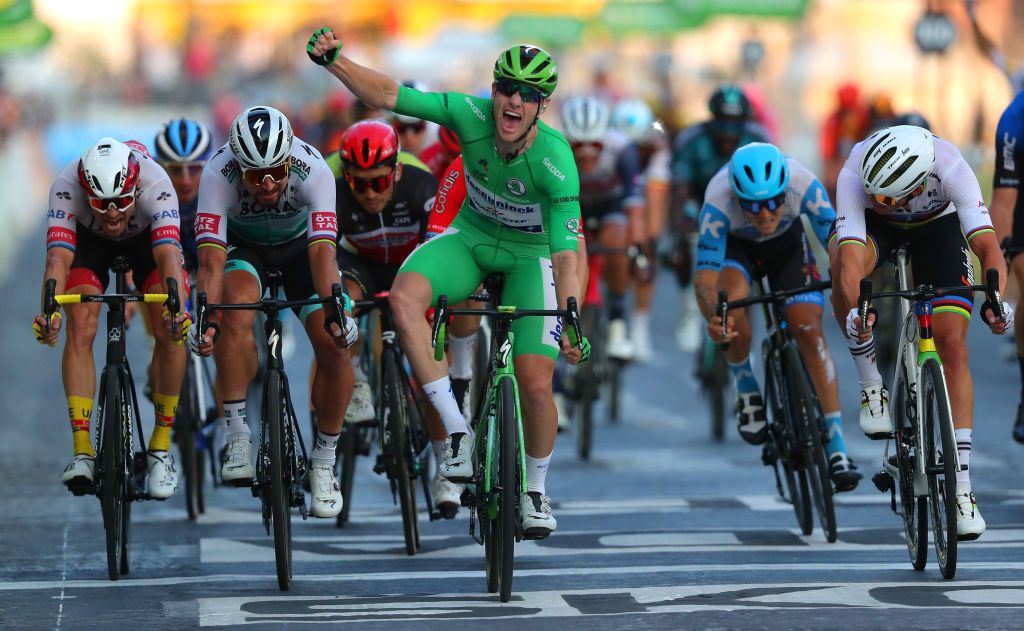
<point>80,411</point>
<point>166,406</point>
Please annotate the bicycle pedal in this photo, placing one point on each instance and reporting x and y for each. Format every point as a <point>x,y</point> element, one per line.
<point>536,534</point>
<point>448,511</point>
<point>79,487</point>
<point>883,481</point>
<point>467,498</point>
<point>241,483</point>
<point>768,456</point>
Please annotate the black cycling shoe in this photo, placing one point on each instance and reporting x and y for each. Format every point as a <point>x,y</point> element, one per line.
<point>843,472</point>
<point>753,422</point>
<point>1018,426</point>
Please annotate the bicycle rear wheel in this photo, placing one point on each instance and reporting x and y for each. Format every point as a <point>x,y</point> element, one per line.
<point>585,385</point>
<point>485,481</point>
<point>913,509</point>
<point>113,471</point>
<point>940,462</point>
<point>810,428</point>
<point>280,509</point>
<point>507,468</point>
<point>185,422</point>
<point>396,425</point>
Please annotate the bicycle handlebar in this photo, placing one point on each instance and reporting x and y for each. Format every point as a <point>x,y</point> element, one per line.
<point>443,312</point>
<point>332,306</point>
<point>53,300</point>
<point>724,304</point>
<point>923,293</point>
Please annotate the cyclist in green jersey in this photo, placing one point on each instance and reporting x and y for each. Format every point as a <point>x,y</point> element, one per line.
<point>521,217</point>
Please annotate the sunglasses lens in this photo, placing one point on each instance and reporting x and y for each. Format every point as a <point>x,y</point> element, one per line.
<point>102,205</point>
<point>256,176</point>
<point>528,93</point>
<point>379,184</point>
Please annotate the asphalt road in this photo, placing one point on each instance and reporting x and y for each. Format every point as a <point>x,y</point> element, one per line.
<point>663,529</point>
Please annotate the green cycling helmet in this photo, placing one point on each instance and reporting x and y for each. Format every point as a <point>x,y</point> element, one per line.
<point>530,65</point>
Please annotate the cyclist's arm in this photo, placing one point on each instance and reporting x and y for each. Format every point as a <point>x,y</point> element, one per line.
<point>161,203</point>
<point>61,231</point>
<point>1006,179</point>
<point>322,227</point>
<point>564,229</point>
<point>816,206</point>
<point>713,235</point>
<point>975,221</point>
<point>851,244</point>
<point>371,87</point>
<point>168,261</point>
<point>211,225</point>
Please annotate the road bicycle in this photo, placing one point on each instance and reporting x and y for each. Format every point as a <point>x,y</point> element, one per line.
<point>121,467</point>
<point>920,459</point>
<point>496,488</point>
<point>797,434</point>
<point>712,372</point>
<point>281,459</point>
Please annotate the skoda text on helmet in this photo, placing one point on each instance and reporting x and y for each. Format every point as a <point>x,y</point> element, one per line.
<point>634,118</point>
<point>108,170</point>
<point>529,65</point>
<point>183,141</point>
<point>369,144</point>
<point>897,160</point>
<point>261,137</point>
<point>585,119</point>
<point>758,172</point>
<point>729,102</point>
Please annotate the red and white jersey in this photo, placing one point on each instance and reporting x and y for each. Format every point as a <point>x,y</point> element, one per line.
<point>307,205</point>
<point>156,207</point>
<point>950,188</point>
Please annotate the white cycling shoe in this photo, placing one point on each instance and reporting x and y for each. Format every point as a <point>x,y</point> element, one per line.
<point>535,511</point>
<point>162,479</point>
<point>360,408</point>
<point>327,500</point>
<point>78,476</point>
<point>969,523</point>
<point>237,467</point>
<point>875,421</point>
<point>619,345</point>
<point>690,332</point>
<point>457,461</point>
<point>642,350</point>
<point>447,496</point>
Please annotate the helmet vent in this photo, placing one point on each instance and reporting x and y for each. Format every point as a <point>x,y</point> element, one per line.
<point>881,162</point>
<point>750,172</point>
<point>900,170</point>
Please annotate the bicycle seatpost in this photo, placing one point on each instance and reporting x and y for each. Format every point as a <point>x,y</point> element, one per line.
<point>864,303</point>
<point>723,313</point>
<point>992,293</point>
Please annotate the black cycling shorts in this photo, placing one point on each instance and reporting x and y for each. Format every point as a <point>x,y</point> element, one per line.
<point>371,277</point>
<point>786,261</point>
<point>939,256</point>
<point>597,214</point>
<point>291,258</point>
<point>95,254</point>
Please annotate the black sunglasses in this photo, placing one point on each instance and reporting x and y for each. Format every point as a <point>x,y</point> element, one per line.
<point>756,206</point>
<point>528,93</point>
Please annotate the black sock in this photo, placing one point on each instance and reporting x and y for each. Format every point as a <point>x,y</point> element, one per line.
<point>617,308</point>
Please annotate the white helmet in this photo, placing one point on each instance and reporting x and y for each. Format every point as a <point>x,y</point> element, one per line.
<point>108,169</point>
<point>260,137</point>
<point>634,118</point>
<point>585,119</point>
<point>897,160</point>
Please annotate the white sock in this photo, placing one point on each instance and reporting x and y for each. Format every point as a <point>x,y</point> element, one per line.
<point>462,356</point>
<point>536,473</point>
<point>357,367</point>
<point>688,302</point>
<point>963,449</point>
<point>641,321</point>
<point>234,419</point>
<point>864,358</point>
<point>440,394</point>
<point>325,447</point>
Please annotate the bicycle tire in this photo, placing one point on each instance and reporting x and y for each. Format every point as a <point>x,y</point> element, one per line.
<point>280,511</point>
<point>614,389</point>
<point>347,453</point>
<point>396,425</point>
<point>507,467</point>
<point>811,426</point>
<point>585,385</point>
<point>913,509</point>
<point>184,435</point>
<point>787,452</point>
<point>938,427</point>
<point>113,473</point>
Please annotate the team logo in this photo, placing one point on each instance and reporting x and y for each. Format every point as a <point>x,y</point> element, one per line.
<point>325,221</point>
<point>258,127</point>
<point>573,225</point>
<point>516,187</point>
<point>207,223</point>
<point>162,196</point>
<point>63,195</point>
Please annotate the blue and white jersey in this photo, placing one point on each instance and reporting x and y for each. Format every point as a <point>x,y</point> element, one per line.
<point>722,217</point>
<point>1009,150</point>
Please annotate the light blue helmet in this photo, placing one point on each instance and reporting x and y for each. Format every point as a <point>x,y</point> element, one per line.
<point>634,118</point>
<point>183,141</point>
<point>758,172</point>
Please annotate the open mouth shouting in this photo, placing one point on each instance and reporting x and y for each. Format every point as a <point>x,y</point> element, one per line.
<point>511,121</point>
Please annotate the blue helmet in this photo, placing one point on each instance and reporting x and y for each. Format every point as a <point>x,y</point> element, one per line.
<point>758,172</point>
<point>183,141</point>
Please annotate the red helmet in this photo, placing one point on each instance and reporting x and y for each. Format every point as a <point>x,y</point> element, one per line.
<point>449,140</point>
<point>369,144</point>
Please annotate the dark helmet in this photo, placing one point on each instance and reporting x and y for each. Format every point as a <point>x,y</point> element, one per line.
<point>729,103</point>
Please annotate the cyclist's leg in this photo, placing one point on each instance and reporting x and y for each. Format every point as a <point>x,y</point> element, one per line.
<point>616,276</point>
<point>656,205</point>
<point>359,284</point>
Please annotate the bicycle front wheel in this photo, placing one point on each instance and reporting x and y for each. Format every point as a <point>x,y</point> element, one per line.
<point>396,425</point>
<point>507,469</point>
<point>347,455</point>
<point>784,443</point>
<point>585,384</point>
<point>280,509</point>
<point>715,386</point>
<point>113,470</point>
<point>940,463</point>
<point>913,509</point>
<point>810,428</point>
<point>185,422</point>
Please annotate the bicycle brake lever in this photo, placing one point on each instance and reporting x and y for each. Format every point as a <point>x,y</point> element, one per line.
<point>992,293</point>
<point>575,333</point>
<point>49,301</point>
<point>864,303</point>
<point>723,313</point>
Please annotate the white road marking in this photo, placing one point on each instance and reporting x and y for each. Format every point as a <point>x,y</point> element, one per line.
<point>63,573</point>
<point>579,603</point>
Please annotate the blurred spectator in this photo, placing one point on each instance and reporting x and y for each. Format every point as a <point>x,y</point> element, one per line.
<point>10,114</point>
<point>763,114</point>
<point>845,126</point>
<point>880,112</point>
